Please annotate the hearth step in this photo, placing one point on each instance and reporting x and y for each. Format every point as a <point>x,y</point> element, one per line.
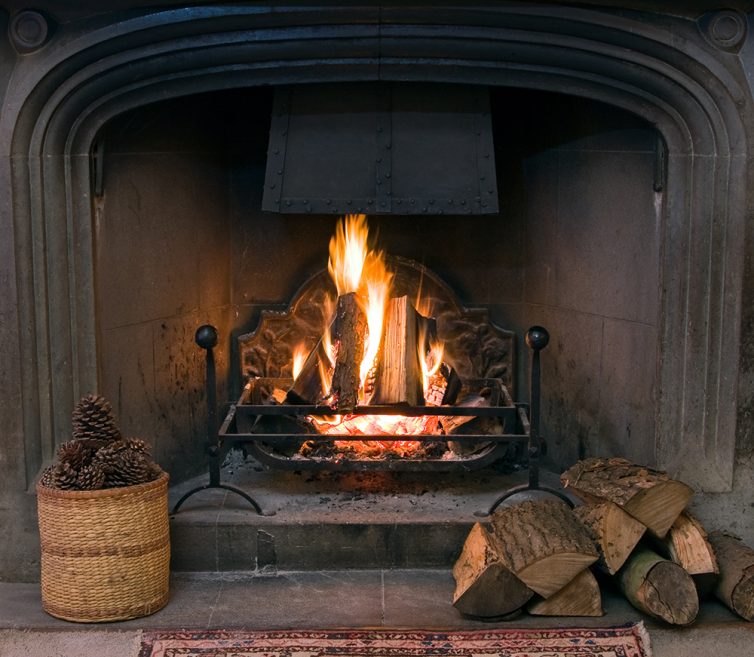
<point>332,520</point>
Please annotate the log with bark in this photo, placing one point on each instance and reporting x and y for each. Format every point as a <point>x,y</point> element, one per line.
<point>615,533</point>
<point>650,496</point>
<point>399,374</point>
<point>686,544</point>
<point>659,587</point>
<point>735,586</point>
<point>580,597</point>
<point>349,336</point>
<point>536,546</point>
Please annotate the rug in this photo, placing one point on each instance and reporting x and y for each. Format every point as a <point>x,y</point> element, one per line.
<point>628,641</point>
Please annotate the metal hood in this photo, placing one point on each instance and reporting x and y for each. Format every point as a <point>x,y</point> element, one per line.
<point>381,148</point>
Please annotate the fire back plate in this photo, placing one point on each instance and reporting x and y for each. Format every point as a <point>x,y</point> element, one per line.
<point>381,148</point>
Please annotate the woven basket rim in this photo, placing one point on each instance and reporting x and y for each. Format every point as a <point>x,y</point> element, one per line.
<point>102,492</point>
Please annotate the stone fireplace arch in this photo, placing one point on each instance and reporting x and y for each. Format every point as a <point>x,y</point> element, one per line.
<point>678,74</point>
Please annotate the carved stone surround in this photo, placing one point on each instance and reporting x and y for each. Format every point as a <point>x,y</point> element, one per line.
<point>683,76</point>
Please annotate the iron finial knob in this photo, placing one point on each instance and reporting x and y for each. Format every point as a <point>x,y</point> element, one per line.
<point>206,336</point>
<point>537,338</point>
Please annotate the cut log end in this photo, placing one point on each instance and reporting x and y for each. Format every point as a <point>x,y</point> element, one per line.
<point>670,594</point>
<point>485,587</point>
<point>735,586</point>
<point>614,532</point>
<point>659,587</point>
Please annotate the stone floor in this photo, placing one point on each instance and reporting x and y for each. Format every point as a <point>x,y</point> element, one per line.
<point>341,551</point>
<point>328,599</point>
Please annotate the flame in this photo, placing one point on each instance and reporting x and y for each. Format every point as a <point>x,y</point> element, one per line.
<point>348,251</point>
<point>431,357</point>
<point>326,364</point>
<point>355,267</point>
<point>300,353</point>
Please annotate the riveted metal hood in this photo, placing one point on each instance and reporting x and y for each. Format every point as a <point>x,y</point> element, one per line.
<point>381,148</point>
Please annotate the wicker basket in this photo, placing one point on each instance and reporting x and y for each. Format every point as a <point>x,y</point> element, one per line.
<point>105,553</point>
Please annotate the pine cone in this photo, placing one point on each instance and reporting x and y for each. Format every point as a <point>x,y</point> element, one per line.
<point>65,477</point>
<point>74,453</point>
<point>48,477</point>
<point>128,468</point>
<point>93,418</point>
<point>138,445</point>
<point>108,457</point>
<point>91,477</point>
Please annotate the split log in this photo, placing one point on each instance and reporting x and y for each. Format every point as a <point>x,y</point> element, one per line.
<point>485,585</point>
<point>686,544</point>
<point>399,375</point>
<point>615,533</point>
<point>580,597</point>
<point>736,584</point>
<point>536,546</point>
<point>659,587</point>
<point>650,496</point>
<point>544,543</point>
<point>349,335</point>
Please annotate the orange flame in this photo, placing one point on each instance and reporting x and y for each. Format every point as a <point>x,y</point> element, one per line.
<point>430,358</point>
<point>300,353</point>
<point>354,267</point>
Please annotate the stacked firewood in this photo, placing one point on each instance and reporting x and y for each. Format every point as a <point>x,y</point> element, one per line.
<point>632,527</point>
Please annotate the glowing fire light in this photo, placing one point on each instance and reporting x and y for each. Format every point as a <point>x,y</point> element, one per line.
<point>430,359</point>
<point>355,267</point>
<point>300,352</point>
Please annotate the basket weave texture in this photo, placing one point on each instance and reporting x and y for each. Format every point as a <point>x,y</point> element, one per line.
<point>105,553</point>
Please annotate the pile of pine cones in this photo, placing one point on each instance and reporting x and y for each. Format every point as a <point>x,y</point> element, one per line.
<point>99,456</point>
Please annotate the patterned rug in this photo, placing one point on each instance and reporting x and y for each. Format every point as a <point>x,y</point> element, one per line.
<point>629,641</point>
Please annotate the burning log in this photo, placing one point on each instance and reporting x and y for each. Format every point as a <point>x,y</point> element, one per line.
<point>580,597</point>
<point>399,377</point>
<point>615,533</point>
<point>650,496</point>
<point>444,386</point>
<point>659,587</point>
<point>307,388</point>
<point>350,333</point>
<point>736,584</point>
<point>533,546</point>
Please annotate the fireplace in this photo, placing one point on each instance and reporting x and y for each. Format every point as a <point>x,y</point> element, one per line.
<point>135,152</point>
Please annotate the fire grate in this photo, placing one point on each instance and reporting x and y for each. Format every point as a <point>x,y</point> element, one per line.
<point>262,428</point>
<point>480,353</point>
